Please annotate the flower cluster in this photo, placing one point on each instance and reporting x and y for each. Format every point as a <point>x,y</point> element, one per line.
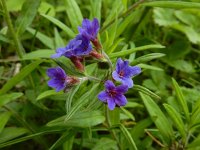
<point>81,46</point>
<point>76,50</point>
<point>114,95</point>
<point>87,44</point>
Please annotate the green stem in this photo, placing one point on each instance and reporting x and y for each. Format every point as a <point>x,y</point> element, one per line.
<point>12,31</point>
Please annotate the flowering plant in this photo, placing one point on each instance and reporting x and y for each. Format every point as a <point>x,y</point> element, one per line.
<point>79,48</point>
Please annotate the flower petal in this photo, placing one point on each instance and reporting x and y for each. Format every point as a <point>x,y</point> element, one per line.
<point>119,65</point>
<point>121,100</point>
<point>128,82</point>
<point>122,89</point>
<point>111,103</point>
<point>57,84</point>
<point>103,96</point>
<point>116,76</point>
<point>86,23</point>
<point>135,70</point>
<point>109,85</point>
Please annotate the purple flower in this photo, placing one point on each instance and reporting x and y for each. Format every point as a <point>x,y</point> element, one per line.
<point>76,47</point>
<point>84,48</point>
<point>68,51</point>
<point>124,72</point>
<point>113,95</point>
<point>89,28</point>
<point>58,78</point>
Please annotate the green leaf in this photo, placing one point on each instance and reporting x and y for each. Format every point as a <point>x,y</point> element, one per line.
<point>128,113</point>
<point>6,98</point>
<point>14,5</point>
<point>47,94</point>
<point>164,16</point>
<point>28,12</point>
<point>181,100</point>
<point>43,38</point>
<point>61,25</point>
<point>195,116</point>
<point>194,145</point>
<point>80,119</point>
<point>95,9</point>
<point>4,117</point>
<point>113,116</point>
<point>147,57</point>
<point>20,76</point>
<point>133,50</point>
<point>74,13</point>
<point>47,7</point>
<point>58,39</point>
<point>176,118</point>
<point>150,67</point>
<point>86,119</point>
<point>158,118</point>
<point>192,34</point>
<point>145,91</point>
<point>81,102</point>
<point>18,132</point>
<point>62,139</point>
<point>180,64</point>
<point>105,144</point>
<point>128,136</point>
<point>172,4</point>
<point>11,133</point>
<point>38,54</point>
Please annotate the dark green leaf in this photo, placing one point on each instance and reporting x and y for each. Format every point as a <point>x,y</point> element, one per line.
<point>28,12</point>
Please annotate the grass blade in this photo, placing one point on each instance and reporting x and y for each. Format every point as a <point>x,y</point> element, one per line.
<point>61,25</point>
<point>181,100</point>
<point>133,50</point>
<point>173,4</point>
<point>28,12</point>
<point>176,118</point>
<point>128,136</point>
<point>20,76</point>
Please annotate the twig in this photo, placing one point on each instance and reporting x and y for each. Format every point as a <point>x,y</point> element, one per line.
<point>154,139</point>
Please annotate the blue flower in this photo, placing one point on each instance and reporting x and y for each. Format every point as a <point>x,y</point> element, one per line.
<point>113,95</point>
<point>77,47</point>
<point>68,51</point>
<point>58,78</point>
<point>89,28</point>
<point>124,72</point>
<point>84,48</point>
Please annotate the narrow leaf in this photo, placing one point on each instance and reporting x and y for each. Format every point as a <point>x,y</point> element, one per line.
<point>4,117</point>
<point>27,14</point>
<point>42,37</point>
<point>176,118</point>
<point>11,133</point>
<point>181,100</point>
<point>61,25</point>
<point>47,94</point>
<point>38,54</point>
<point>6,98</point>
<point>20,76</point>
<point>133,50</point>
<point>128,136</point>
<point>145,91</point>
<point>173,4</point>
<point>158,118</point>
<point>74,13</point>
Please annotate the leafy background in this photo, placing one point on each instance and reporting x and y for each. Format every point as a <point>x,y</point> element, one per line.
<point>163,110</point>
